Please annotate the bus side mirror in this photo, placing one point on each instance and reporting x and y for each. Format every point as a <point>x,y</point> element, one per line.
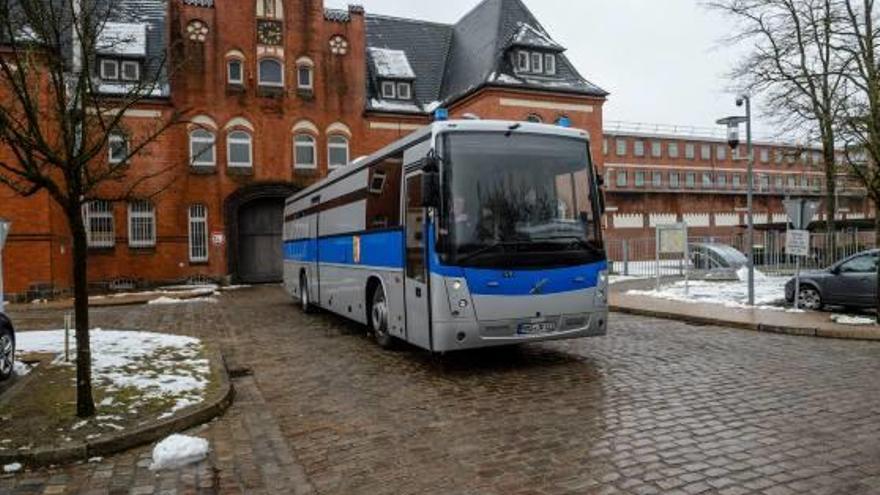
<point>430,190</point>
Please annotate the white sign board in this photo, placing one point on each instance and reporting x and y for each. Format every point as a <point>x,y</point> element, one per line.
<point>797,243</point>
<point>671,239</point>
<point>218,238</point>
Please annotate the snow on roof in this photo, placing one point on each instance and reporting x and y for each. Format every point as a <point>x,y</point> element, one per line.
<point>395,106</point>
<point>392,64</point>
<point>123,38</point>
<point>528,35</point>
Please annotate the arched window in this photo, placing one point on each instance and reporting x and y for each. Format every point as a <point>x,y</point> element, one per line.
<point>304,152</point>
<point>202,148</point>
<point>305,74</point>
<point>239,151</point>
<point>235,71</point>
<point>337,151</point>
<point>534,118</point>
<point>117,147</point>
<point>271,73</point>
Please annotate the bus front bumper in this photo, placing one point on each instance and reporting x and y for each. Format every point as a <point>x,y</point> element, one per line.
<point>451,336</point>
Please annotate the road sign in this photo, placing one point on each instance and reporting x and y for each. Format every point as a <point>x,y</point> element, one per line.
<point>800,212</point>
<point>797,243</point>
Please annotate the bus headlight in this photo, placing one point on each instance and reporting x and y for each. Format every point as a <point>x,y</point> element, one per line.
<point>602,287</point>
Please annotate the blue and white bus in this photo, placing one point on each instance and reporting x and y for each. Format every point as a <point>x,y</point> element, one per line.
<point>464,234</point>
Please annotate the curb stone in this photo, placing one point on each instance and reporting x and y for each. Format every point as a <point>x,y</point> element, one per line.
<point>136,437</point>
<point>755,327</point>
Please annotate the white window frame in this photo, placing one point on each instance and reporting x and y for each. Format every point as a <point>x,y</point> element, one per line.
<point>550,64</point>
<point>389,90</point>
<point>141,237</point>
<point>400,94</point>
<point>130,63</point>
<point>382,177</point>
<point>311,71</point>
<point>232,138</point>
<point>197,215</point>
<point>99,223</point>
<point>523,56</point>
<point>672,150</point>
<point>116,138</point>
<point>229,78</point>
<point>331,145</point>
<point>213,141</point>
<point>260,73</point>
<point>313,144</point>
<point>109,63</point>
<point>537,62</point>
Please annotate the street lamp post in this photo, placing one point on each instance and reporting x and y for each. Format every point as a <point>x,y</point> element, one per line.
<point>733,124</point>
<point>4,232</point>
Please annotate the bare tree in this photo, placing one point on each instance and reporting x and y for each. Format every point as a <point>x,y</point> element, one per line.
<point>859,38</point>
<point>66,130</point>
<point>793,64</point>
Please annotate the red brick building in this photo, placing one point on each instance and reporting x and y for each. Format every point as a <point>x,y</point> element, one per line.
<point>656,174</point>
<point>278,93</point>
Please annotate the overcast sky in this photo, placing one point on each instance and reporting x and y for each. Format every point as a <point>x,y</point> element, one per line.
<point>661,60</point>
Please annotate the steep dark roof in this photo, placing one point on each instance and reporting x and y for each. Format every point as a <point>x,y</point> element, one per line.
<point>426,45</point>
<point>450,61</point>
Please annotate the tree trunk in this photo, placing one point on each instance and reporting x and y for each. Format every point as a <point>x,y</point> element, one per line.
<point>877,246</point>
<point>831,202</point>
<point>85,404</point>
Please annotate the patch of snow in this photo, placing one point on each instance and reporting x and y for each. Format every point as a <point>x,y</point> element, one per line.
<point>769,292</point>
<point>861,321</point>
<point>118,358</point>
<point>434,105</point>
<point>506,79</point>
<point>616,279</point>
<point>531,36</point>
<point>12,468</point>
<point>108,401</point>
<point>95,460</point>
<point>21,369</point>
<point>394,106</point>
<point>743,275</point>
<point>123,38</point>
<point>164,301</point>
<point>178,451</point>
<point>391,63</point>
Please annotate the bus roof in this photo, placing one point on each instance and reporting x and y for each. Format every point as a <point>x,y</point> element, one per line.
<point>435,128</point>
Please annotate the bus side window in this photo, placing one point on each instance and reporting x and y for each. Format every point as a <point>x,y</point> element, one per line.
<point>383,194</point>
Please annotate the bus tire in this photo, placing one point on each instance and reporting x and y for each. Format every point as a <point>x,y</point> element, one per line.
<point>304,299</point>
<point>379,318</point>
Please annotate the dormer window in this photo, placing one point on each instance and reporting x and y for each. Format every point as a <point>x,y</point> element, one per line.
<point>109,70</point>
<point>131,70</point>
<point>404,91</point>
<point>523,62</point>
<point>534,62</point>
<point>550,64</point>
<point>389,90</point>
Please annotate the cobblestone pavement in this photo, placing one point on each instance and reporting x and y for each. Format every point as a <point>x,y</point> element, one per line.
<point>656,407</point>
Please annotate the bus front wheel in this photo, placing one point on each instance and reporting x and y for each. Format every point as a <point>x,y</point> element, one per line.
<point>379,319</point>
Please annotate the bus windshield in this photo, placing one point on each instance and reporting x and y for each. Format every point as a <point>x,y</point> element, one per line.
<point>518,200</point>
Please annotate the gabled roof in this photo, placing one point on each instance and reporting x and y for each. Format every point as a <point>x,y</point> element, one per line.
<point>451,61</point>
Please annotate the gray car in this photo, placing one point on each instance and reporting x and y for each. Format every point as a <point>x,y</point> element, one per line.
<point>7,347</point>
<point>849,283</point>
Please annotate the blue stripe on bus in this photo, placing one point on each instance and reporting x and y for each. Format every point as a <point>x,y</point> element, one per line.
<point>533,282</point>
<point>382,249</point>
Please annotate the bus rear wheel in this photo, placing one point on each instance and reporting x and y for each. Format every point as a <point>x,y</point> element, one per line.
<point>379,319</point>
<point>304,299</point>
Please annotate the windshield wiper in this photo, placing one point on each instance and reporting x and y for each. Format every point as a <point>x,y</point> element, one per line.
<point>486,249</point>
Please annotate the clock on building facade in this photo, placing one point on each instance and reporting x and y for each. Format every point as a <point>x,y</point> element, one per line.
<point>269,33</point>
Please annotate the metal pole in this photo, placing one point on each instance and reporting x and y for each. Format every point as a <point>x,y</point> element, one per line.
<point>625,258</point>
<point>749,201</point>
<point>2,294</point>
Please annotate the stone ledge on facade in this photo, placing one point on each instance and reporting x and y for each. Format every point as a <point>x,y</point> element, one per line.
<point>240,171</point>
<point>203,169</point>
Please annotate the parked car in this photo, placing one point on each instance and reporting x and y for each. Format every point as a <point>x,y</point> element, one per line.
<point>7,347</point>
<point>850,283</point>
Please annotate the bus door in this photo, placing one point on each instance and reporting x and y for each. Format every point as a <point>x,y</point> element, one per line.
<point>417,302</point>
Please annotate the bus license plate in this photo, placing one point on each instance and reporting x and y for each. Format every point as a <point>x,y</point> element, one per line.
<point>536,328</point>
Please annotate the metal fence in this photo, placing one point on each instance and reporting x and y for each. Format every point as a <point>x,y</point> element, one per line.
<point>638,258</point>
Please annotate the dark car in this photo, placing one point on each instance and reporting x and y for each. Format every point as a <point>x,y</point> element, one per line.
<point>849,283</point>
<point>7,347</point>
